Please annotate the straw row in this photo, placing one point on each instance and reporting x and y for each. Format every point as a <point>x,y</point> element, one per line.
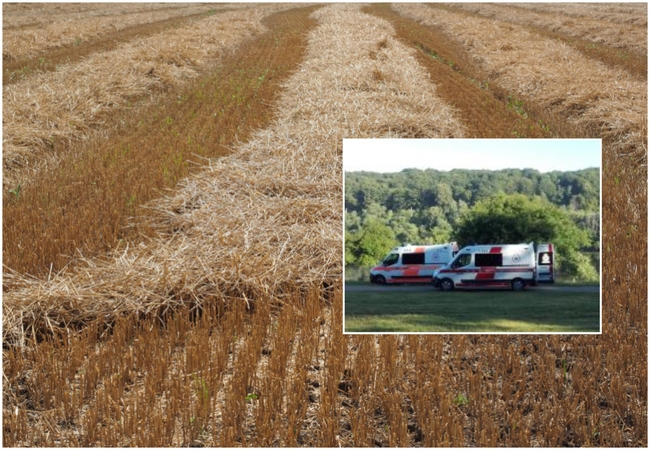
<point>69,103</point>
<point>269,216</point>
<point>29,15</point>
<point>37,37</point>
<point>626,13</point>
<point>621,34</point>
<point>605,102</point>
<point>223,380</point>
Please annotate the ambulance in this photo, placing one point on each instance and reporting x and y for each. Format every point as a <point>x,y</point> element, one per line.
<point>412,263</point>
<point>512,265</point>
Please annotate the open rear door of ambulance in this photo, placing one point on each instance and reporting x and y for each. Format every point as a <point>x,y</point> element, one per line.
<point>544,256</point>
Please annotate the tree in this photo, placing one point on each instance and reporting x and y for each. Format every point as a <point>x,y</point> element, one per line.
<point>438,234</point>
<point>513,219</point>
<point>351,241</point>
<point>370,244</point>
<point>434,227</point>
<point>428,206</point>
<point>403,227</point>
<point>352,228</point>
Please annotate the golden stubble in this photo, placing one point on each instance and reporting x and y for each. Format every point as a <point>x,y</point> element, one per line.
<point>225,330</point>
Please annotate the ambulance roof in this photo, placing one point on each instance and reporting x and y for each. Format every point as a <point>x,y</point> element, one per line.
<point>493,247</point>
<point>424,247</point>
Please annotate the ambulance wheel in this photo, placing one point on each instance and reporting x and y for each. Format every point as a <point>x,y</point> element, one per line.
<point>518,284</point>
<point>379,279</point>
<point>446,284</point>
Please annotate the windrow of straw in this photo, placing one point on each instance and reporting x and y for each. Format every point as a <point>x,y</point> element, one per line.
<point>225,377</point>
<point>67,104</point>
<point>28,15</point>
<point>269,216</point>
<point>142,151</point>
<point>211,378</point>
<point>604,102</point>
<point>484,112</point>
<point>72,29</point>
<point>621,34</point>
<point>626,13</point>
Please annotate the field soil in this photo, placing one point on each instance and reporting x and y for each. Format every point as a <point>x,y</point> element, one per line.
<point>222,324</point>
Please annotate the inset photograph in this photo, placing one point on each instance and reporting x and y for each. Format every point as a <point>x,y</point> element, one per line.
<point>472,236</point>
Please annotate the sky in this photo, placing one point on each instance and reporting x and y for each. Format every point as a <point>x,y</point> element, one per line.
<point>545,155</point>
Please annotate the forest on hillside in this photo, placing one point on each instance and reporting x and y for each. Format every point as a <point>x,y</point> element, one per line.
<point>383,210</point>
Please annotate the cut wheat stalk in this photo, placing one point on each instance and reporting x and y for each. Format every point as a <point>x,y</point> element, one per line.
<point>605,102</point>
<point>68,104</point>
<point>267,219</point>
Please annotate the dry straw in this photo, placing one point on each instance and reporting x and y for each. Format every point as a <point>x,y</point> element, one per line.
<point>337,390</point>
<point>620,30</point>
<point>623,13</point>
<point>27,15</point>
<point>605,102</point>
<point>268,218</point>
<point>37,37</point>
<point>66,104</point>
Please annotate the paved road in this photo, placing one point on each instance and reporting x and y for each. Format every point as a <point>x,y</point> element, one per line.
<point>427,288</point>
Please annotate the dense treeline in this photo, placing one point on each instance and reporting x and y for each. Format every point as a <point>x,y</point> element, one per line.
<point>473,206</point>
<point>421,189</point>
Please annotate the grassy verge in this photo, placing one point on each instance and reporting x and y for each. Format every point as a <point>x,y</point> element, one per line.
<point>84,202</point>
<point>471,311</point>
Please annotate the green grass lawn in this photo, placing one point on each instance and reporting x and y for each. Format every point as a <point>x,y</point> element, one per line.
<point>495,311</point>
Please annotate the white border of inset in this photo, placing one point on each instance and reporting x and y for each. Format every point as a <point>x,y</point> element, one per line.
<point>393,155</point>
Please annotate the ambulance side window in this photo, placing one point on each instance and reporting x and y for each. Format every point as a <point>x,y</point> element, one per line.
<point>413,258</point>
<point>489,259</point>
<point>391,259</point>
<point>462,260</point>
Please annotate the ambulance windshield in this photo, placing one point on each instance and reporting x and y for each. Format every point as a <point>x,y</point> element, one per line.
<point>461,260</point>
<point>390,259</point>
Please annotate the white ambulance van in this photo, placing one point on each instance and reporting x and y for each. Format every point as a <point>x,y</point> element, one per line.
<point>512,265</point>
<point>412,263</point>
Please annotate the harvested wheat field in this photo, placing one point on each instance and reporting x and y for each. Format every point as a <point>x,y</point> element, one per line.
<point>199,302</point>
<point>63,105</point>
<point>62,37</point>
<point>76,23</point>
<point>586,22</point>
